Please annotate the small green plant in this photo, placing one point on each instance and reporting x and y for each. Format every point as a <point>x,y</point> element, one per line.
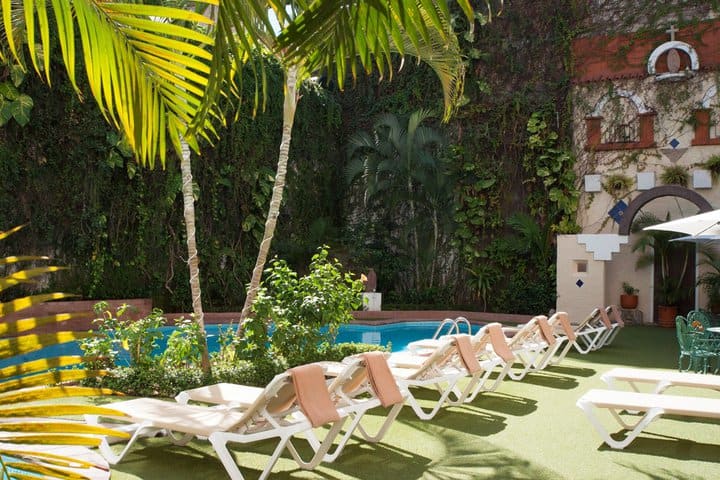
<point>305,312</point>
<point>183,345</point>
<point>617,184</point>
<point>115,329</point>
<point>629,289</point>
<point>712,164</point>
<point>675,175</point>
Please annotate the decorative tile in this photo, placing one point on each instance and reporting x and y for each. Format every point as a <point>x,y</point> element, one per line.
<point>702,179</point>
<point>673,154</point>
<point>593,183</point>
<point>645,180</point>
<point>674,143</point>
<point>602,245</point>
<point>579,283</point>
<point>617,211</point>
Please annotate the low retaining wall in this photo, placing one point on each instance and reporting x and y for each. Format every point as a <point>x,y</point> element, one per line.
<point>143,307</point>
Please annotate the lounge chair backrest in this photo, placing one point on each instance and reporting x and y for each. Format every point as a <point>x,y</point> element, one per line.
<point>604,318</point>
<point>562,319</point>
<point>617,315</point>
<point>499,343</point>
<point>546,330</point>
<point>439,358</point>
<point>381,379</point>
<point>467,353</point>
<point>528,331</point>
<point>588,320</point>
<point>312,394</point>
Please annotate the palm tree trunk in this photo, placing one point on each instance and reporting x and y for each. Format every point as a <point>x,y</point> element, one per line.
<point>289,107</point>
<point>193,261</point>
<point>416,243</point>
<point>436,234</point>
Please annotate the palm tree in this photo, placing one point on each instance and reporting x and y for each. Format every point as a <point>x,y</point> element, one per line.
<point>399,165</point>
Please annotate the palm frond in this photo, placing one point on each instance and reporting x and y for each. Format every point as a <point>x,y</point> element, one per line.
<point>44,379</point>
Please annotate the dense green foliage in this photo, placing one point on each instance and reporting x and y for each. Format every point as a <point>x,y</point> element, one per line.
<point>121,227</point>
<point>305,311</point>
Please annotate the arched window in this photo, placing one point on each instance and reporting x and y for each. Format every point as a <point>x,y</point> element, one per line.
<point>620,121</point>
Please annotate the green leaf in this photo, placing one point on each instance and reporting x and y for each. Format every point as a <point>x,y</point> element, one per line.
<point>17,75</point>
<point>21,109</point>
<point>9,91</point>
<point>5,111</point>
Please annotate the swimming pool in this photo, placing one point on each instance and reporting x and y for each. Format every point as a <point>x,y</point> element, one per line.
<point>398,335</point>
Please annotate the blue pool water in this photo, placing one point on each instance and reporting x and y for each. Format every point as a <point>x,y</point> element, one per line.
<point>398,335</point>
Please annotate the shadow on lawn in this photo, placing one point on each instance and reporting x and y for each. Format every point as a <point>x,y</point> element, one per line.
<point>635,346</point>
<point>572,371</point>
<point>668,446</point>
<point>504,403</point>
<point>546,379</point>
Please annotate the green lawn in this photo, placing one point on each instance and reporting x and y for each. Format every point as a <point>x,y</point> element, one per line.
<point>526,430</point>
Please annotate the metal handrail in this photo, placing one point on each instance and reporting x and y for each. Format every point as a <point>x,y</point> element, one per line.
<point>447,321</point>
<point>464,321</point>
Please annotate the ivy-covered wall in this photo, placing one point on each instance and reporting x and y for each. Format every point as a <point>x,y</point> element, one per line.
<point>119,226</point>
<point>509,154</point>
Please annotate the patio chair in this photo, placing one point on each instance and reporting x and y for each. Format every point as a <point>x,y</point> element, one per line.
<point>361,383</point>
<point>659,380</point>
<point>652,406</point>
<point>694,346</point>
<point>292,403</point>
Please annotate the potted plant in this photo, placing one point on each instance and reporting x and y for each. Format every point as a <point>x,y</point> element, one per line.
<point>710,280</point>
<point>629,298</point>
<point>651,243</point>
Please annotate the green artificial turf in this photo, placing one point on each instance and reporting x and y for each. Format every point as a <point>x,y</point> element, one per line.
<point>526,430</point>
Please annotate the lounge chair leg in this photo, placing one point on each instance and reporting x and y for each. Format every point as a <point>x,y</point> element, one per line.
<point>320,453</point>
<point>633,432</point>
<point>105,448</point>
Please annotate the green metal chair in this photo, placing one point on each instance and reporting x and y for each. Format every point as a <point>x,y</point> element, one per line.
<point>698,349</point>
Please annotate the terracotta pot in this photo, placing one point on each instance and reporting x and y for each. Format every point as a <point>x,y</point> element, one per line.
<point>628,301</point>
<point>666,316</point>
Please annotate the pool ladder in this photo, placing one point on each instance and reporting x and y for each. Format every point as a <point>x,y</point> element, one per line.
<point>453,327</point>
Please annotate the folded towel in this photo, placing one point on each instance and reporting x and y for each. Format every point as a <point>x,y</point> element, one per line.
<point>546,331</point>
<point>617,315</point>
<point>312,394</point>
<point>467,354</point>
<point>565,324</point>
<point>499,344</point>
<point>381,379</point>
<point>604,318</point>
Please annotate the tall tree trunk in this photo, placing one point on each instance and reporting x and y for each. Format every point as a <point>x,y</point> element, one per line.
<point>416,243</point>
<point>193,261</point>
<point>289,107</point>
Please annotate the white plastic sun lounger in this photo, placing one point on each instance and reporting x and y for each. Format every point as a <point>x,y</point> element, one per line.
<point>293,402</point>
<point>660,380</point>
<point>589,333</point>
<point>440,371</point>
<point>652,405</point>
<point>355,389</point>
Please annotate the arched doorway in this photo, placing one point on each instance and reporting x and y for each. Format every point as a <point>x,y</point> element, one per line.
<point>678,259</point>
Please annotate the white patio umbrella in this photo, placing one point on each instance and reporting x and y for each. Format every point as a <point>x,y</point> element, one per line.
<point>703,224</point>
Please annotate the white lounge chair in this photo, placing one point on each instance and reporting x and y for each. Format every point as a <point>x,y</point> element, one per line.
<point>660,380</point>
<point>440,370</point>
<point>363,382</point>
<point>652,405</point>
<point>293,402</point>
<point>485,345</point>
<point>528,346</point>
<point>589,333</point>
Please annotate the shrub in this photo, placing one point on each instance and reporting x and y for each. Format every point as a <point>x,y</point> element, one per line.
<point>305,312</point>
